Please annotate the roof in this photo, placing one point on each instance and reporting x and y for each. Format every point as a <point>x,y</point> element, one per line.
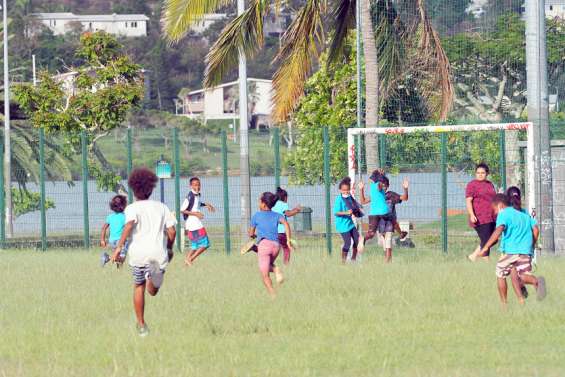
<point>229,84</point>
<point>554,2</point>
<point>91,17</point>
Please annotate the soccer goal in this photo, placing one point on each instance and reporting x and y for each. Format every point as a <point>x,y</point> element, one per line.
<point>470,143</point>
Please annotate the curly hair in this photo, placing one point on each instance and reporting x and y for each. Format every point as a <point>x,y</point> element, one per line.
<point>142,181</point>
<point>118,203</point>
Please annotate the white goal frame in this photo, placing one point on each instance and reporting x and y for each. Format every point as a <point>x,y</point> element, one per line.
<point>528,126</point>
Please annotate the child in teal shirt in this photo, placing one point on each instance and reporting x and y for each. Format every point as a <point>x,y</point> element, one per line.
<point>115,223</point>
<point>345,207</point>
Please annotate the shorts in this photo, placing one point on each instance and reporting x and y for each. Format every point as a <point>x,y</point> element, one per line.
<point>202,242</point>
<point>378,223</point>
<point>140,274</point>
<point>522,263</point>
<point>267,252</point>
<point>484,231</point>
<point>124,251</point>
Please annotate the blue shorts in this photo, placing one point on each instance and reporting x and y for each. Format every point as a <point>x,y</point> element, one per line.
<point>124,251</point>
<point>202,242</point>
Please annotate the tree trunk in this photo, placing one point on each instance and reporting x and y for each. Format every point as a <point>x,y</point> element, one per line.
<point>514,169</point>
<point>371,85</point>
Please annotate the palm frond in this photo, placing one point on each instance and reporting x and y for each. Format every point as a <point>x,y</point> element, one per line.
<point>343,16</point>
<point>179,15</point>
<point>430,65</point>
<point>300,45</point>
<point>243,33</point>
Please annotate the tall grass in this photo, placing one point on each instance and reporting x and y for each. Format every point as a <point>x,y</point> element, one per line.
<point>423,315</point>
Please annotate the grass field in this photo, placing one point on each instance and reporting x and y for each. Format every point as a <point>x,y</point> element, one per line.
<point>424,315</point>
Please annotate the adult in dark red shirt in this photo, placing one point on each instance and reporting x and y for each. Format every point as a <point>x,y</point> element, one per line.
<point>478,197</point>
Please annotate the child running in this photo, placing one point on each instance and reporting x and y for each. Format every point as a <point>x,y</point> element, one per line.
<point>518,232</point>
<point>115,223</point>
<point>345,207</point>
<point>264,227</point>
<point>151,226</point>
<point>282,208</point>
<point>194,230</point>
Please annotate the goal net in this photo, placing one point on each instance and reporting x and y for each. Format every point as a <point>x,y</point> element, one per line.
<point>439,162</point>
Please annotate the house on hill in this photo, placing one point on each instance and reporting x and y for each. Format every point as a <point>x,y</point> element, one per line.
<point>127,25</point>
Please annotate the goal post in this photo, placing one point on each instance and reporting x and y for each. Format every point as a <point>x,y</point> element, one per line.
<point>353,167</point>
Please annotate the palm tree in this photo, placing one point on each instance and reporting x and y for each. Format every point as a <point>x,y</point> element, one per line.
<point>404,39</point>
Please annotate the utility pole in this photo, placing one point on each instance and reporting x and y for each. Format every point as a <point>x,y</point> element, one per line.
<point>7,150</point>
<point>538,113</point>
<point>244,178</point>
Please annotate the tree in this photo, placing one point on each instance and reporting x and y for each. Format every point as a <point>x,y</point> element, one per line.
<point>96,99</point>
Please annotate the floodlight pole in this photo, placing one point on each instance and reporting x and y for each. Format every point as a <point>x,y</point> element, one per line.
<point>7,149</point>
<point>244,178</point>
<point>538,114</point>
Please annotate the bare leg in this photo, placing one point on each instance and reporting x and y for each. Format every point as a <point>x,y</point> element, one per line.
<point>286,255</point>
<point>517,285</point>
<point>344,257</point>
<point>473,256</point>
<point>502,290</point>
<point>268,283</point>
<point>188,258</point>
<point>388,255</point>
<point>354,254</point>
<point>196,253</point>
<point>151,289</point>
<point>530,279</point>
<point>139,303</point>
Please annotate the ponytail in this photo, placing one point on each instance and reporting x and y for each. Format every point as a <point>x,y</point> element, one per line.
<point>515,196</point>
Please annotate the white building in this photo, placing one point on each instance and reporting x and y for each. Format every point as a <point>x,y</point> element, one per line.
<point>127,25</point>
<point>206,21</point>
<point>222,102</point>
<point>555,9</point>
<point>273,25</point>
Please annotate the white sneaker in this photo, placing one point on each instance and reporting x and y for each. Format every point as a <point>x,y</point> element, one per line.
<point>154,273</point>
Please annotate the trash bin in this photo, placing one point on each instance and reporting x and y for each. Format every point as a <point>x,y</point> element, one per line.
<point>303,220</point>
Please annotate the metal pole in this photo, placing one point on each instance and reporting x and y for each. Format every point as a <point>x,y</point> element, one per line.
<point>176,159</point>
<point>502,162</point>
<point>42,188</point>
<point>382,151</point>
<point>227,240</point>
<point>277,145</point>
<point>538,113</point>
<point>327,183</point>
<point>244,176</point>
<point>33,70</point>
<point>7,148</point>
<point>162,185</point>
<point>444,192</point>
<point>130,162</point>
<point>86,232</point>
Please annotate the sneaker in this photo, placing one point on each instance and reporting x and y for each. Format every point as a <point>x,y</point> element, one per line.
<point>154,273</point>
<point>524,291</point>
<point>403,235</point>
<point>540,289</point>
<point>247,247</point>
<point>104,258</point>
<point>142,330</point>
<point>472,257</point>
<point>279,277</point>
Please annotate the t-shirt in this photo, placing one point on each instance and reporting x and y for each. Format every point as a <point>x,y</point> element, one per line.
<point>392,199</point>
<point>378,200</point>
<point>266,225</point>
<point>517,237</point>
<point>116,221</point>
<point>148,239</point>
<point>192,222</point>
<point>482,193</point>
<point>281,207</point>
<point>343,224</point>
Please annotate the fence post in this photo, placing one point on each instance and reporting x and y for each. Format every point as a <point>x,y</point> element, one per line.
<point>444,192</point>
<point>130,162</point>
<point>277,145</point>
<point>382,151</point>
<point>86,232</point>
<point>227,240</point>
<point>42,189</point>
<point>327,183</point>
<point>2,200</point>
<point>176,159</point>
<point>502,152</point>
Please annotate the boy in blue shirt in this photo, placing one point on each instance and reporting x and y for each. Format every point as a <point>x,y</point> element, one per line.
<point>115,223</point>
<point>345,207</point>
<point>518,233</point>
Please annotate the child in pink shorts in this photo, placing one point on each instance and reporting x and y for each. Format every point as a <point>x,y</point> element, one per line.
<point>264,226</point>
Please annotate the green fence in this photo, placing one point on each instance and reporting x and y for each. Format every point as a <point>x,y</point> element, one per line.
<point>72,211</point>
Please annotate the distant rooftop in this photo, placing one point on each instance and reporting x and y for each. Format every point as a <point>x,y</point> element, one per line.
<point>91,17</point>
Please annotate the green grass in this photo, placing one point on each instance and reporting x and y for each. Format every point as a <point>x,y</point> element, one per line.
<point>424,315</point>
